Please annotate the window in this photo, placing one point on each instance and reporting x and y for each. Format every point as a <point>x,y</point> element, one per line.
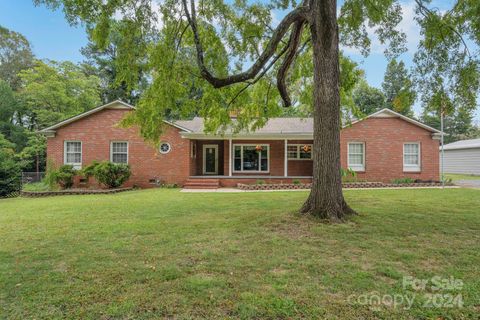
<point>356,156</point>
<point>193,149</point>
<point>73,153</point>
<point>411,157</point>
<point>165,147</point>
<point>119,152</point>
<point>299,151</point>
<point>250,158</point>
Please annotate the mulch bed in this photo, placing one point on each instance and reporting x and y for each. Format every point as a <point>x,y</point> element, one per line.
<point>352,185</point>
<point>38,194</point>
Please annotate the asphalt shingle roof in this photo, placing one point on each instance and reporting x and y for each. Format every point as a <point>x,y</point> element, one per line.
<point>274,125</point>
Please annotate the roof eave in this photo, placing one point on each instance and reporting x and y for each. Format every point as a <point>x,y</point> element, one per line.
<point>85,114</point>
<point>249,136</point>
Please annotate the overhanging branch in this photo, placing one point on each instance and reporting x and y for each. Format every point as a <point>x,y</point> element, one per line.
<point>293,45</point>
<point>297,14</point>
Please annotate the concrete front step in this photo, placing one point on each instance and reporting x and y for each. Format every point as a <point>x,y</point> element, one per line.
<point>202,184</point>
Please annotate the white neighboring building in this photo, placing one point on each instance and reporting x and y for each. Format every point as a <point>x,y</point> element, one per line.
<point>463,157</point>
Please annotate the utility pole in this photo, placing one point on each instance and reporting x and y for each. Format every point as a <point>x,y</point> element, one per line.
<point>441,147</point>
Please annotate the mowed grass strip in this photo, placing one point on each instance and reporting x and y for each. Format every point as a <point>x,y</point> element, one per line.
<point>164,254</point>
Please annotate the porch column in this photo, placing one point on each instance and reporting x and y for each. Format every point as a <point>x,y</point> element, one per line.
<point>230,157</point>
<point>285,160</point>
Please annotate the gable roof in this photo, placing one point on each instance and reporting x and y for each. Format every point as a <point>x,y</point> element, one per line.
<point>117,104</point>
<point>463,144</point>
<point>300,128</point>
<point>387,113</point>
<point>292,127</point>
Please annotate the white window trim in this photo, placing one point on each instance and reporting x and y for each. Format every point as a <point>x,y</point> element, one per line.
<point>241,157</point>
<point>75,165</point>
<point>412,167</point>
<point>356,167</point>
<point>169,147</point>
<point>298,145</point>
<point>111,149</point>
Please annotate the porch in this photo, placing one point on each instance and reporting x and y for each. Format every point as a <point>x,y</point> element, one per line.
<point>230,161</point>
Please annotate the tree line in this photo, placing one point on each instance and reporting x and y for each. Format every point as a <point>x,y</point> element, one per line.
<point>35,93</point>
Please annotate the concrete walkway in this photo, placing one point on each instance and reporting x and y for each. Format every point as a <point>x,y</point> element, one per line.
<point>468,183</point>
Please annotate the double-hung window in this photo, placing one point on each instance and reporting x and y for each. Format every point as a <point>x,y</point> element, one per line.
<point>411,156</point>
<point>119,151</point>
<point>356,156</point>
<point>299,152</point>
<point>251,158</point>
<point>73,154</point>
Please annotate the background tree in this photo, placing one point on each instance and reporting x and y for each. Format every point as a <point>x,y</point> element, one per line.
<point>447,64</point>
<point>398,88</point>
<point>368,99</point>
<point>10,169</point>
<point>106,61</point>
<point>15,55</point>
<point>53,91</point>
<point>237,60</point>
<point>10,110</point>
<point>458,124</point>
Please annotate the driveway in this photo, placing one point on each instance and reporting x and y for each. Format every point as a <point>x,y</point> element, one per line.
<point>468,183</point>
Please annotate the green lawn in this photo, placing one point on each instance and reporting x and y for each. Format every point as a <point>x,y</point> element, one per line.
<point>164,254</point>
<point>456,177</point>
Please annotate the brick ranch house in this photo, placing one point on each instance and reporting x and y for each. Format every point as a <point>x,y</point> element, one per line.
<point>381,147</point>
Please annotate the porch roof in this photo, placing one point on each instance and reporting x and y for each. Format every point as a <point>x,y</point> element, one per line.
<point>294,126</point>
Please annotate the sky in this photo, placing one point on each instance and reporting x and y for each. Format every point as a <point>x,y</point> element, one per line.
<point>53,38</point>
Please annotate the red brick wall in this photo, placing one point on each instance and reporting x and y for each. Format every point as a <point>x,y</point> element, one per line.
<point>384,139</point>
<point>99,129</point>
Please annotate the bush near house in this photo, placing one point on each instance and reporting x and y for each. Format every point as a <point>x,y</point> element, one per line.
<point>112,175</point>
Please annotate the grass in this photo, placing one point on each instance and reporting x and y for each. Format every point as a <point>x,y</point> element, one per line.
<point>456,177</point>
<point>35,186</point>
<point>164,254</point>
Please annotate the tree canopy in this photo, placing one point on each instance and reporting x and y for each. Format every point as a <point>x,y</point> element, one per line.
<point>15,55</point>
<point>53,91</point>
<point>398,88</point>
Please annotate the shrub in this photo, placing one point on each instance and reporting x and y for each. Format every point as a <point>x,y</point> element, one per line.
<point>260,182</point>
<point>112,175</point>
<point>402,180</point>
<point>348,175</point>
<point>64,176</point>
<point>296,182</point>
<point>9,173</point>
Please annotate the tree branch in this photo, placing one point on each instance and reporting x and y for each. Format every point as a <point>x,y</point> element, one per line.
<point>265,70</point>
<point>293,45</point>
<point>297,14</point>
<point>426,11</point>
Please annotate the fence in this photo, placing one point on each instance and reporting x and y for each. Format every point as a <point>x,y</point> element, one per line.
<point>31,177</point>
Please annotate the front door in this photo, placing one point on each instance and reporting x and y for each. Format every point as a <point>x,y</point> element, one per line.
<point>210,159</point>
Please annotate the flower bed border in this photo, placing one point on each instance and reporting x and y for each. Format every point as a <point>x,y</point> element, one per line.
<point>349,185</point>
<point>40,194</point>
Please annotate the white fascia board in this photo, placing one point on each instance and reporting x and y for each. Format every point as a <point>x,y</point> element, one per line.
<point>253,136</point>
<point>117,104</point>
<point>389,112</point>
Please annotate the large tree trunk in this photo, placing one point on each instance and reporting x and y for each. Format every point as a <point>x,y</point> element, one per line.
<point>326,198</point>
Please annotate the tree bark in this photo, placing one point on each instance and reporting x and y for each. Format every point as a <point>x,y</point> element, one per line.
<point>326,199</point>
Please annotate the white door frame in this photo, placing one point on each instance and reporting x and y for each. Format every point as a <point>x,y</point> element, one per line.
<point>213,146</point>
